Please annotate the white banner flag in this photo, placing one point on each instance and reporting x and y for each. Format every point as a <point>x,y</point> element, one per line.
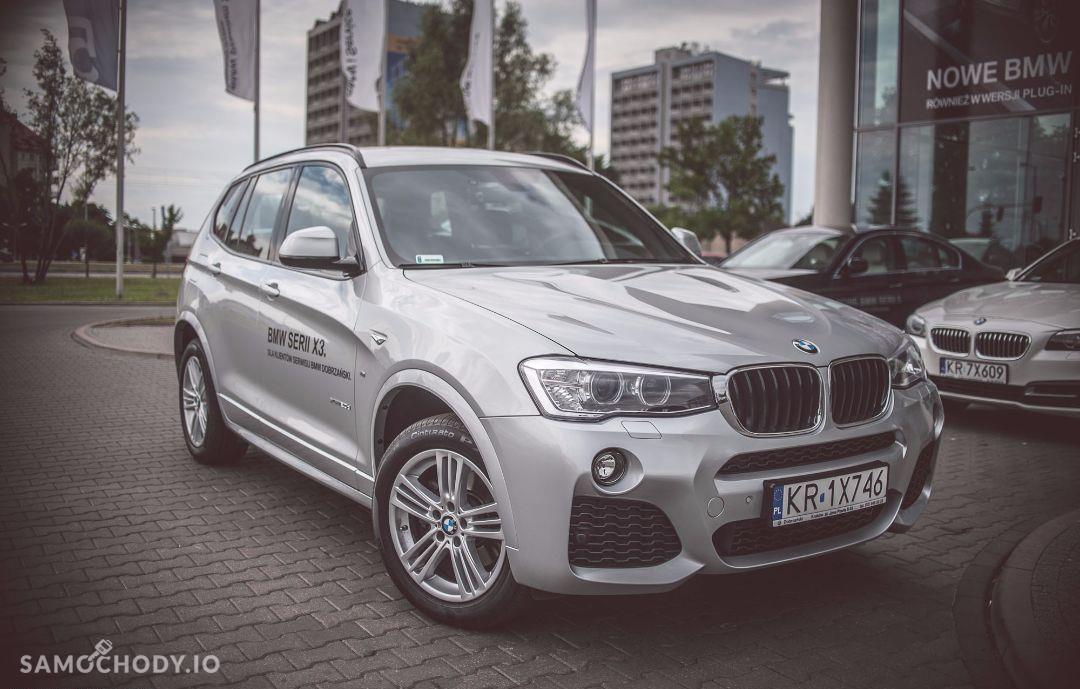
<point>236,27</point>
<point>585,85</point>
<point>363,42</point>
<point>476,80</point>
<point>93,37</point>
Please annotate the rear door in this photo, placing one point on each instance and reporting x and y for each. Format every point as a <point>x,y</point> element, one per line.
<point>932,270</point>
<point>241,265</point>
<point>218,312</point>
<point>309,347</point>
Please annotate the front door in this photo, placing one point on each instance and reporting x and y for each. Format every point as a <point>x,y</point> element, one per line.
<point>309,347</point>
<point>875,290</point>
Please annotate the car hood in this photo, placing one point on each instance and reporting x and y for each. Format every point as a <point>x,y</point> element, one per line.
<point>687,317</point>
<point>1053,304</point>
<point>770,273</point>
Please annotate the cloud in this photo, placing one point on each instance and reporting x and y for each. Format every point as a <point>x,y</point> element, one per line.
<point>193,136</point>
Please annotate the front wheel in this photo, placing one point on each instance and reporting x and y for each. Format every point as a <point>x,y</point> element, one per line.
<point>440,528</point>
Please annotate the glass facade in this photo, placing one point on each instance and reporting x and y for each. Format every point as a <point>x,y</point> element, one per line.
<point>968,124</point>
<point>878,60</point>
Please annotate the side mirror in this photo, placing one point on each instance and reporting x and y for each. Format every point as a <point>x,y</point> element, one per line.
<point>1013,274</point>
<point>312,247</point>
<point>688,239</point>
<point>856,265</point>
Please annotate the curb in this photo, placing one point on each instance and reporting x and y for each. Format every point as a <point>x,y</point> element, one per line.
<point>84,336</point>
<point>1015,630</point>
<point>972,610</point>
<point>164,304</point>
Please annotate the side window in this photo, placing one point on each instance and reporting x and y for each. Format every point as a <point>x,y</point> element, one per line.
<point>923,254</point>
<point>949,257</point>
<point>261,214</point>
<point>225,212</point>
<point>322,198</point>
<point>879,254</point>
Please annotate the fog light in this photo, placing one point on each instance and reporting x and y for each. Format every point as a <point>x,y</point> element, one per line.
<point>608,467</point>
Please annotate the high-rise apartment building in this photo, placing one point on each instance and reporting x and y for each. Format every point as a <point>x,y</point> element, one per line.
<point>647,103</point>
<point>329,117</point>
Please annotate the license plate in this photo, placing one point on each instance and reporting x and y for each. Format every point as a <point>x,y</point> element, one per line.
<point>828,496</point>
<point>973,370</point>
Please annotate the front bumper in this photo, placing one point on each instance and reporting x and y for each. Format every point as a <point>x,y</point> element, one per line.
<point>1046,382</point>
<point>547,463</point>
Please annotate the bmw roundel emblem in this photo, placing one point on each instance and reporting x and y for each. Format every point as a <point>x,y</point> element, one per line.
<point>449,525</point>
<point>805,346</point>
<point>980,320</point>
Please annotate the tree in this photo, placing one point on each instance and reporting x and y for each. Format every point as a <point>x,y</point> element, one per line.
<point>718,175</point>
<point>428,98</point>
<point>78,127</point>
<point>429,102</point>
<point>880,211</point>
<point>154,242</point>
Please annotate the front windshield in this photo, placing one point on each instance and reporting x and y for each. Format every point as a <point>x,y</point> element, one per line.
<point>783,250</point>
<point>477,215</point>
<point>1062,266</point>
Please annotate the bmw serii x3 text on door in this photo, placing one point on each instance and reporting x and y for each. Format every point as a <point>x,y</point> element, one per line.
<point>533,384</point>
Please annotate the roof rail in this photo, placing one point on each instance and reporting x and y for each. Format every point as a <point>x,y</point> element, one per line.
<point>562,158</point>
<point>346,148</point>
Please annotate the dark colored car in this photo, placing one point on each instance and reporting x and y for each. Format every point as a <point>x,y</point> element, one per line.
<point>888,273</point>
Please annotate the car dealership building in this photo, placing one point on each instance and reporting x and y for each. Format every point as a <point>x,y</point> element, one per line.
<point>958,117</point>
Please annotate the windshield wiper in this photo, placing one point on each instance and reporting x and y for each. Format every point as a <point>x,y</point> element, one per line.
<point>457,264</point>
<point>607,261</point>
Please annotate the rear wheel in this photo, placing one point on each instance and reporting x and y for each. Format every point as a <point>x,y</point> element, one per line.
<point>208,439</point>
<point>440,527</point>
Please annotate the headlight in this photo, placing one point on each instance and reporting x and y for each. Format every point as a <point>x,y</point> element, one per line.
<point>916,325</point>
<point>906,365</point>
<point>1067,340</point>
<point>580,389</point>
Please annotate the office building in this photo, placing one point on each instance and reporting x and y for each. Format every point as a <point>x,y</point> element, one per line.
<point>647,103</point>
<point>329,117</point>
<point>957,118</point>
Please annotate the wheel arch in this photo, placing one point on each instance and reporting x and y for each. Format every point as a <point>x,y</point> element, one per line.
<point>189,328</point>
<point>432,393</point>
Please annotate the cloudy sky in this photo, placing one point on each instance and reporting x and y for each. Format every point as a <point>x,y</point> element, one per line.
<point>193,136</point>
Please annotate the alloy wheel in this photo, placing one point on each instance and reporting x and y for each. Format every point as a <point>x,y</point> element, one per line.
<point>445,525</point>
<point>193,390</point>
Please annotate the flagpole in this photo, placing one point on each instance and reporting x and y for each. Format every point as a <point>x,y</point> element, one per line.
<point>592,94</point>
<point>258,41</point>
<point>382,75</point>
<point>120,153</point>
<point>491,127</point>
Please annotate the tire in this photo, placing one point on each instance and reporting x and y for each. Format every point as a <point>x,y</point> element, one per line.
<point>207,437</point>
<point>462,575</point>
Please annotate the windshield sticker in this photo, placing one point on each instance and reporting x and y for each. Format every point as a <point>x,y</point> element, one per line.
<point>422,259</point>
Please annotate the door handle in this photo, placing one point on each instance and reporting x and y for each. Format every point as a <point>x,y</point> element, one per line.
<point>896,285</point>
<point>270,289</point>
<point>215,268</point>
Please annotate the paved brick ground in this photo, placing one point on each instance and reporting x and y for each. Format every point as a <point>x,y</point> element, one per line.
<point>108,530</point>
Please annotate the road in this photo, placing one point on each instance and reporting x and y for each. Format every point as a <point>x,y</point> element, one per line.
<point>110,531</point>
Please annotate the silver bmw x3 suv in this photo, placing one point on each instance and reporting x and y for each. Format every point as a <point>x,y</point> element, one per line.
<point>533,384</point>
